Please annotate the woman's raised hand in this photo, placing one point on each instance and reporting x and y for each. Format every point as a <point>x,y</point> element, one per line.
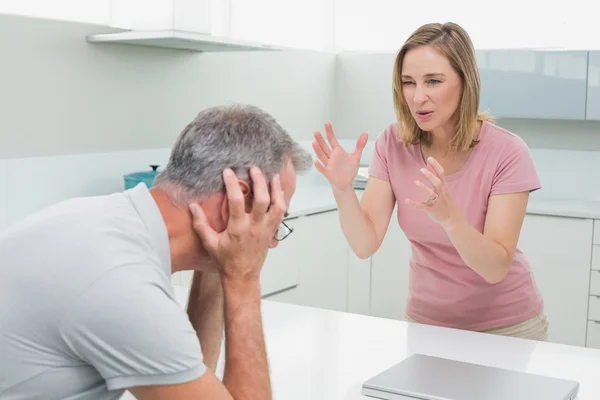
<point>336,164</point>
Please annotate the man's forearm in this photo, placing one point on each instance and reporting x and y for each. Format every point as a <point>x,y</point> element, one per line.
<point>246,365</point>
<point>205,310</point>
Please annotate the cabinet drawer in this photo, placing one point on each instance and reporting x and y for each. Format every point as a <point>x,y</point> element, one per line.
<point>596,257</point>
<point>594,309</point>
<point>593,335</point>
<point>596,231</point>
<point>595,283</point>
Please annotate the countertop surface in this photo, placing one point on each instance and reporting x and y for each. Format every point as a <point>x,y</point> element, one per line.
<point>326,355</point>
<point>310,199</point>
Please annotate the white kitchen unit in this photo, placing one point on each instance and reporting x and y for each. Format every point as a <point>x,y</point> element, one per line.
<point>359,284</point>
<point>281,270</point>
<point>559,251</point>
<point>534,84</point>
<point>558,238</point>
<point>318,248</point>
<point>191,25</point>
<point>593,86</point>
<point>593,332</point>
<point>390,272</point>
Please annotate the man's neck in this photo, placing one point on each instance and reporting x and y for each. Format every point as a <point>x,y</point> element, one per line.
<point>187,252</point>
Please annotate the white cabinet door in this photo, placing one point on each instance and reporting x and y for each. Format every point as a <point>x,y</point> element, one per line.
<point>281,271</point>
<point>359,284</point>
<point>593,87</point>
<point>389,273</point>
<point>559,251</point>
<point>318,247</point>
<point>534,84</point>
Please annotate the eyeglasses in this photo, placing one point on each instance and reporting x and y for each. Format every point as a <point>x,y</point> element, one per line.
<point>283,231</point>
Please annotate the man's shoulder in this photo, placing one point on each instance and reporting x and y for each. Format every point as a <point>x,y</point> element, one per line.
<point>82,238</point>
<point>83,220</point>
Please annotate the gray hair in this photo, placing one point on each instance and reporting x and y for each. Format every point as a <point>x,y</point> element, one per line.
<point>234,136</point>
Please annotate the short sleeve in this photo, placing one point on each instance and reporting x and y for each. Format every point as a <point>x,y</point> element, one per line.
<point>378,166</point>
<point>133,332</point>
<point>516,170</point>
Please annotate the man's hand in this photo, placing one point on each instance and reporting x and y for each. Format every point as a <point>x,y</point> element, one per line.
<point>242,248</point>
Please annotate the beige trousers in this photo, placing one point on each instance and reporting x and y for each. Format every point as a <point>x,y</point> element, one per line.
<point>535,328</point>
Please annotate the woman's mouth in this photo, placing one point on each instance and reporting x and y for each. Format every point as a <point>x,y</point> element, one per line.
<point>424,114</point>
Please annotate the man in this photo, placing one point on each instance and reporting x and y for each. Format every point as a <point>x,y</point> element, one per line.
<point>87,309</point>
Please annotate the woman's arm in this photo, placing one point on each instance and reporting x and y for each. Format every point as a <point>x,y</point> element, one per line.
<point>365,223</point>
<point>490,253</point>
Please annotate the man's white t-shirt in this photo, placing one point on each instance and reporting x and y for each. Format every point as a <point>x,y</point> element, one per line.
<point>87,308</point>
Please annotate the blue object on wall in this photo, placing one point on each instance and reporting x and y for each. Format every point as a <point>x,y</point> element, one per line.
<point>146,177</point>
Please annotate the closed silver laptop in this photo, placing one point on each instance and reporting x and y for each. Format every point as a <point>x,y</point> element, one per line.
<point>431,378</point>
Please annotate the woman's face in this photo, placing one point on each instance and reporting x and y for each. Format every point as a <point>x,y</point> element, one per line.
<point>431,87</point>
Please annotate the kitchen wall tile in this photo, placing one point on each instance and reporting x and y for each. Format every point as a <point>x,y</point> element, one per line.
<point>568,174</point>
<point>35,183</point>
<point>3,195</point>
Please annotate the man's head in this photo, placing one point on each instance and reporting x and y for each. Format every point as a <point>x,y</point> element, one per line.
<point>236,137</point>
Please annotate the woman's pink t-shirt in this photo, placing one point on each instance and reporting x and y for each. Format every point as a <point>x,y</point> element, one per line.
<point>443,290</point>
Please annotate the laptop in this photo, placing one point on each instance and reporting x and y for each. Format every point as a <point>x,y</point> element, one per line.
<point>431,378</point>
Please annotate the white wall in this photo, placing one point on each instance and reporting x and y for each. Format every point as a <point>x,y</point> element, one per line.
<point>77,116</point>
<point>62,95</point>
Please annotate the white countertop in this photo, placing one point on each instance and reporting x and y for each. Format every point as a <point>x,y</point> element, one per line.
<point>326,355</point>
<point>311,199</point>
<point>564,208</point>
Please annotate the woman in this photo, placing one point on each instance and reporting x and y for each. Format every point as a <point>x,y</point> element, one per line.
<point>461,185</point>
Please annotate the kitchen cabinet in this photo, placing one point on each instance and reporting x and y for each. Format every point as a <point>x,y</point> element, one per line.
<point>318,249</point>
<point>359,284</point>
<point>326,273</point>
<point>593,86</point>
<point>559,252</point>
<point>593,327</point>
<point>390,273</point>
<point>534,84</point>
<point>281,269</point>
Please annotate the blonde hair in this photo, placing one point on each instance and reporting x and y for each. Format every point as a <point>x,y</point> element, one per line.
<point>454,43</point>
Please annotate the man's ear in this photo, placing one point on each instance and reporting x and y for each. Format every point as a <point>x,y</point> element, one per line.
<point>246,191</point>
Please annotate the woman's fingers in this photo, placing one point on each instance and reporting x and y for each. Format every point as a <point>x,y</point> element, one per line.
<point>320,153</point>
<point>330,135</point>
<point>322,144</point>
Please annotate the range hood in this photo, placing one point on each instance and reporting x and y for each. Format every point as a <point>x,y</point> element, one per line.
<point>196,25</point>
<point>174,39</point>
